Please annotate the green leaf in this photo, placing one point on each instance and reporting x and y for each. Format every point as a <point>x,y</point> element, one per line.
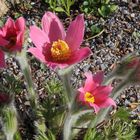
<point>113,8</point>
<point>70,3</point>
<point>42,136</point>
<point>123,114</point>
<point>50,135</point>
<point>17,136</point>
<point>106,1</point>
<point>59,9</point>
<point>85,3</point>
<point>104,10</point>
<point>95,29</point>
<point>63,2</point>
<point>90,134</point>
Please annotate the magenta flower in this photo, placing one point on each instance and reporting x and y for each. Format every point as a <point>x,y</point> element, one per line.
<point>54,46</point>
<point>94,94</point>
<point>11,37</point>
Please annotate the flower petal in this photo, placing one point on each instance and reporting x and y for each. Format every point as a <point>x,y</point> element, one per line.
<point>90,85</point>
<point>10,23</point>
<point>53,27</point>
<point>20,24</point>
<point>19,42</point>
<point>79,55</point>
<point>75,32</point>
<point>2,60</point>
<point>98,77</point>
<point>38,37</point>
<point>3,42</point>
<point>9,28</point>
<point>81,97</point>
<point>108,102</point>
<point>1,31</point>
<point>96,107</point>
<point>82,90</point>
<point>37,53</point>
<point>101,93</point>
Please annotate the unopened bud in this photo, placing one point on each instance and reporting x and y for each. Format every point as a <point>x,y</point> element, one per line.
<point>127,65</point>
<point>5,99</point>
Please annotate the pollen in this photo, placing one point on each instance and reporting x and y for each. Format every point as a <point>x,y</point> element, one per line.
<point>60,51</point>
<point>89,97</point>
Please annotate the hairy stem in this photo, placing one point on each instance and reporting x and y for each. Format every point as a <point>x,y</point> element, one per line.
<point>27,74</point>
<point>39,118</point>
<point>9,115</point>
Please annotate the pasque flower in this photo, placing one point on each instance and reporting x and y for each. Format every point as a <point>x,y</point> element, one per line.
<point>134,76</point>
<point>127,65</point>
<point>54,46</point>
<point>11,37</point>
<point>94,94</point>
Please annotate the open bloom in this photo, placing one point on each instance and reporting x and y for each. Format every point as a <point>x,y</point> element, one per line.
<point>94,94</point>
<point>54,46</point>
<point>11,37</point>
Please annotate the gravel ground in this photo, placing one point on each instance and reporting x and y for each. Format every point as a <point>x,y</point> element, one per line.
<point>118,39</point>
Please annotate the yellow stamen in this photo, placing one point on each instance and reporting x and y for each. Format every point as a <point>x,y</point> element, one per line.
<point>60,51</point>
<point>89,97</point>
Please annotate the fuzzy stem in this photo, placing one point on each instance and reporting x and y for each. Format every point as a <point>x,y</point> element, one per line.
<point>67,127</point>
<point>118,90</point>
<point>39,119</point>
<point>27,74</point>
<point>109,78</point>
<point>65,75</point>
<point>66,84</point>
<point>9,137</point>
<point>9,121</point>
<point>70,121</point>
<point>71,117</point>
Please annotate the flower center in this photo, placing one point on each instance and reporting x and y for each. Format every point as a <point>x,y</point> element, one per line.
<point>89,97</point>
<point>12,42</point>
<point>60,51</point>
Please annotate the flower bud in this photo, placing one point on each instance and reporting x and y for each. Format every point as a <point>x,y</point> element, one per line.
<point>5,99</point>
<point>127,65</point>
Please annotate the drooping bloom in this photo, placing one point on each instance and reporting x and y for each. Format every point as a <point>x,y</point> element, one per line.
<point>11,37</point>
<point>127,65</point>
<point>54,46</point>
<point>134,76</point>
<point>94,94</point>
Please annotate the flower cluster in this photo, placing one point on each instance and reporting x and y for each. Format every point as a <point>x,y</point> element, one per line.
<point>57,49</point>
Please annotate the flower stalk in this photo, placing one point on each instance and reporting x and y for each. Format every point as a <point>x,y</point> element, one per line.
<point>39,118</point>
<point>65,75</point>
<point>9,121</point>
<point>21,57</point>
